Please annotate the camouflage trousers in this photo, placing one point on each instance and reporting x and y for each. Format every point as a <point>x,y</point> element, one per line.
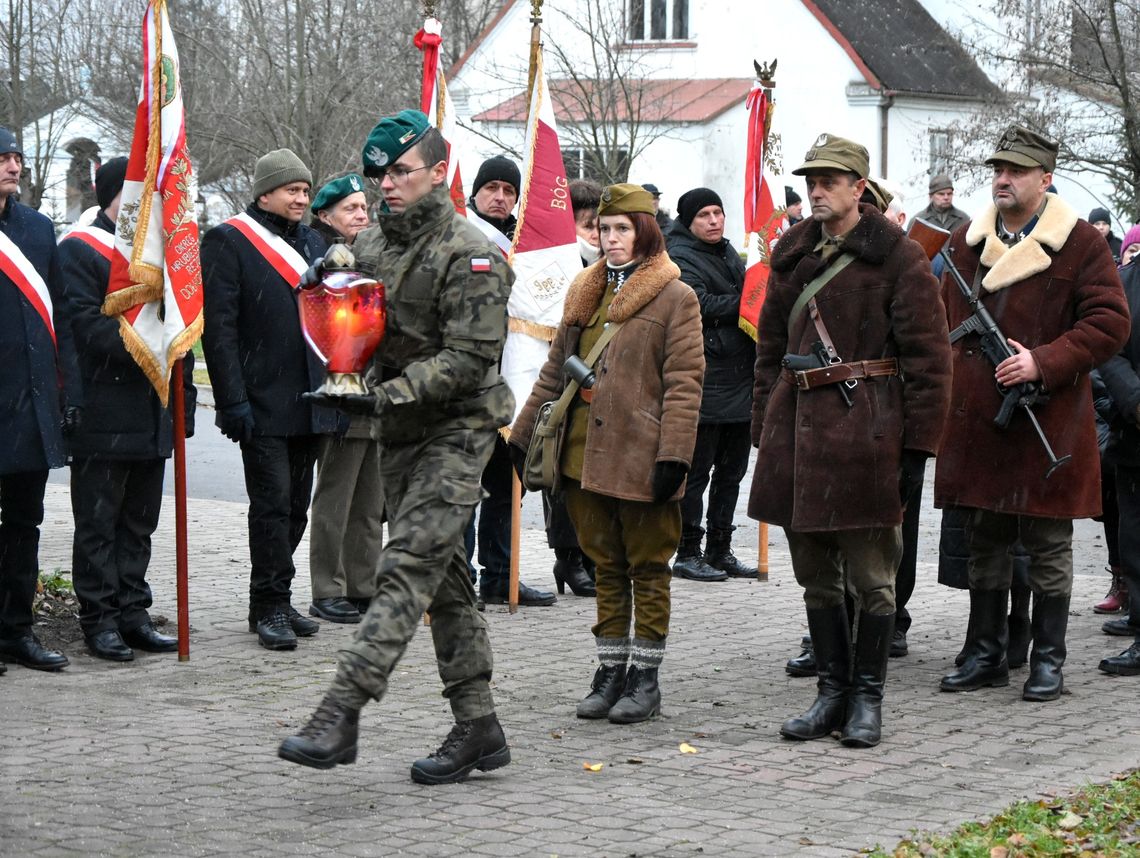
<point>430,489</point>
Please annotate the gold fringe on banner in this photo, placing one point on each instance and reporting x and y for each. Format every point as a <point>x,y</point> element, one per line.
<point>531,329</point>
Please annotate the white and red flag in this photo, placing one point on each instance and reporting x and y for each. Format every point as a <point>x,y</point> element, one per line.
<point>544,252</point>
<point>156,277</point>
<point>761,217</point>
<point>436,104</point>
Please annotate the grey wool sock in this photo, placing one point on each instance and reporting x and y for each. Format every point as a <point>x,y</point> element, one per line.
<point>647,653</point>
<point>612,651</point>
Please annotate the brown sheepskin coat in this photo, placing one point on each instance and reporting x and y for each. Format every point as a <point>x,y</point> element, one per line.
<point>647,395</point>
<point>1057,293</point>
<point>821,465</point>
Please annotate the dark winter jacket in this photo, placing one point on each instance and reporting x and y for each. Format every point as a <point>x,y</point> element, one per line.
<point>504,225</point>
<point>252,340</point>
<point>716,273</point>
<point>949,220</point>
<point>37,380</point>
<point>1121,375</point>
<point>123,417</point>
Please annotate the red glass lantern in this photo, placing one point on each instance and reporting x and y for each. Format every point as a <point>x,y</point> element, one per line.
<point>343,319</point>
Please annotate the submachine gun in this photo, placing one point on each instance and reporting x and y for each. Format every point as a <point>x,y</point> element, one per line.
<point>994,344</point>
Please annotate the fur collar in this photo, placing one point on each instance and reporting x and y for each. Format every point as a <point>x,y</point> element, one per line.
<point>1009,265</point>
<point>871,239</point>
<point>645,284</point>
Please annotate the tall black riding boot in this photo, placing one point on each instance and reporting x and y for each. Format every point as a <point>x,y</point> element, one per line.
<point>1050,621</point>
<point>1020,600</point>
<point>985,665</point>
<point>967,650</point>
<point>865,702</point>
<point>831,639</point>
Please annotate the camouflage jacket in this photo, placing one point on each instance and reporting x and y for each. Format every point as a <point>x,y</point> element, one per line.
<point>446,288</point>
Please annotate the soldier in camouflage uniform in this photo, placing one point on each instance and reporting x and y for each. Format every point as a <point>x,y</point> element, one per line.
<point>436,394</point>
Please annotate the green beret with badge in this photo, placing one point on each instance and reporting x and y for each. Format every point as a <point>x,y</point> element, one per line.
<point>333,192</point>
<point>1025,148</point>
<point>625,198</point>
<point>391,138</point>
<point>835,153</point>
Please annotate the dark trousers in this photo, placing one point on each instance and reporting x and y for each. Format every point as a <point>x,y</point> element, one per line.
<point>1111,517</point>
<point>904,577</point>
<point>279,482</point>
<point>1128,501</point>
<point>494,530</point>
<point>560,534</point>
<point>720,460</point>
<point>21,513</point>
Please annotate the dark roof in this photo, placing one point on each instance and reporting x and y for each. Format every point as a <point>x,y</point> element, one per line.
<point>898,46</point>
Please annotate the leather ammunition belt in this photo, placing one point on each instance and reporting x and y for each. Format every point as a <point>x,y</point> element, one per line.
<point>807,379</point>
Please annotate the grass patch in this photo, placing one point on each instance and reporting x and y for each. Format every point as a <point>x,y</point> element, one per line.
<point>1097,821</point>
<point>198,353</point>
<point>201,377</point>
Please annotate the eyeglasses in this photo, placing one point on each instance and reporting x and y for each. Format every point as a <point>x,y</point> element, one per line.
<point>397,174</point>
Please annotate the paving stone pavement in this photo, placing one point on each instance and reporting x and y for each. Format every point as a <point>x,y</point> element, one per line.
<point>160,758</point>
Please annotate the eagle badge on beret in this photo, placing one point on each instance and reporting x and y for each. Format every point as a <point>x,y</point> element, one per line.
<point>377,156</point>
<point>607,196</point>
<point>354,182</point>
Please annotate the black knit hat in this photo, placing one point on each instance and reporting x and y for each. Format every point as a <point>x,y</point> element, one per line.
<point>501,169</point>
<point>8,143</point>
<point>1099,215</point>
<point>693,201</point>
<point>791,197</point>
<point>109,180</point>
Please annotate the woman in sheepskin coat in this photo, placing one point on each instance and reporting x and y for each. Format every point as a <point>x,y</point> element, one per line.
<point>626,452</point>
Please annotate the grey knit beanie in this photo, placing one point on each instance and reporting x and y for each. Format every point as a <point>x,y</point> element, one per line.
<point>277,168</point>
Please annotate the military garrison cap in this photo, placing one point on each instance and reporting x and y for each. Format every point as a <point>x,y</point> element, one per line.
<point>835,153</point>
<point>1025,148</point>
<point>391,138</point>
<point>333,192</point>
<point>625,199</point>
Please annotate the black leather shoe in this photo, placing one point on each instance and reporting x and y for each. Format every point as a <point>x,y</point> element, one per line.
<point>329,739</point>
<point>302,627</point>
<point>1119,628</point>
<point>497,590</point>
<point>728,563</point>
<point>109,645</point>
<point>694,568</point>
<point>147,638</point>
<point>28,651</point>
<point>899,646</point>
<point>475,744</point>
<point>335,610</point>
<point>607,687</point>
<point>640,699</point>
<point>804,663</point>
<point>274,630</point>
<point>3,668</point>
<point>361,603</point>
<point>1125,664</point>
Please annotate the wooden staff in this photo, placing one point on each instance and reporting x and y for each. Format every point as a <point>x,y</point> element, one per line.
<point>182,571</point>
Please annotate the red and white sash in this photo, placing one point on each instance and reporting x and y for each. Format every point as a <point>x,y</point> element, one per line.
<point>99,240</point>
<point>20,271</point>
<point>276,251</point>
<point>493,233</point>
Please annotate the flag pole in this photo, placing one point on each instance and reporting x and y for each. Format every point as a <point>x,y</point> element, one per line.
<point>182,573</point>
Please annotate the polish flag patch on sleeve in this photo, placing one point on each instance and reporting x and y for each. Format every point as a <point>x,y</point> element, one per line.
<point>481,264</point>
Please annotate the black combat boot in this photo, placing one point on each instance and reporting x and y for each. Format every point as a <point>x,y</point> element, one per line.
<point>1020,630</point>
<point>690,564</point>
<point>641,697</point>
<point>831,638</point>
<point>985,664</point>
<point>568,569</point>
<point>475,744</point>
<point>718,555</point>
<point>1050,622</point>
<point>804,663</point>
<point>327,740</point>
<point>274,631</point>
<point>609,679</point>
<point>864,722</point>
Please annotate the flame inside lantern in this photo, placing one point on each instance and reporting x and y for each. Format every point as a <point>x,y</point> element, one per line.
<point>343,319</point>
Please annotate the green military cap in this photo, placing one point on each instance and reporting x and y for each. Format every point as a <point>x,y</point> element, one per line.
<point>625,199</point>
<point>1025,148</point>
<point>391,138</point>
<point>835,153</point>
<point>333,192</point>
<point>877,195</point>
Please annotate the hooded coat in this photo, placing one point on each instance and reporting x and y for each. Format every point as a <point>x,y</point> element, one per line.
<point>823,466</point>
<point>1058,294</point>
<point>648,391</point>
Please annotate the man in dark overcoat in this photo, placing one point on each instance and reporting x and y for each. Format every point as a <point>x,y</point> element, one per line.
<point>40,401</point>
<point>260,366</point>
<point>840,445</point>
<point>118,452</point>
<point>1048,280</point>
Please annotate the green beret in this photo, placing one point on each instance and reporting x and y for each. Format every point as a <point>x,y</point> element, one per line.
<point>1025,148</point>
<point>835,153</point>
<point>625,199</point>
<point>333,192</point>
<point>391,138</point>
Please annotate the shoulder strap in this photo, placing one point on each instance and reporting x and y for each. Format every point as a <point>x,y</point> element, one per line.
<point>822,279</point>
<point>572,386</point>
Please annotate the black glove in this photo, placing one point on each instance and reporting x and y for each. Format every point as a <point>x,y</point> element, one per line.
<point>236,422</point>
<point>667,478</point>
<point>314,274</point>
<point>367,404</point>
<point>71,420</point>
<point>518,459</point>
<point>912,469</point>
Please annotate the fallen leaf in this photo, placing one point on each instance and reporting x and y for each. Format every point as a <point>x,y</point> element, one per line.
<point>1017,839</point>
<point>1070,821</point>
<point>686,748</point>
<point>635,760</point>
<point>593,767</point>
<point>555,734</point>
<point>999,852</point>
